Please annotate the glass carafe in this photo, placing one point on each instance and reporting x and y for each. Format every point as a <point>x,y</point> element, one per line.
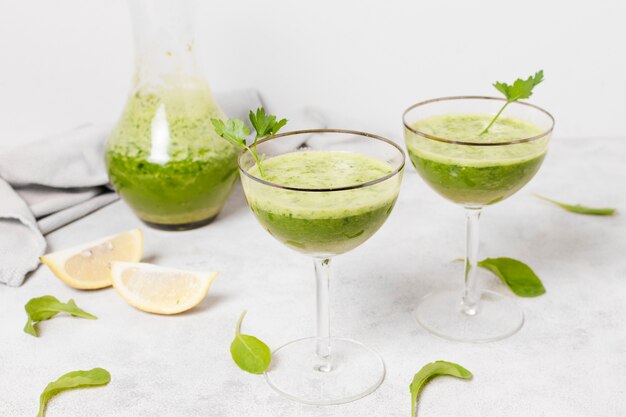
<point>164,157</point>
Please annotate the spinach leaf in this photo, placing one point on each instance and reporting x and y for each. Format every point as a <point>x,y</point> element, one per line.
<point>248,352</point>
<point>428,372</point>
<point>516,275</point>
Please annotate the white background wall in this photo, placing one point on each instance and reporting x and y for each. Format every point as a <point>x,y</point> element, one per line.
<point>67,62</point>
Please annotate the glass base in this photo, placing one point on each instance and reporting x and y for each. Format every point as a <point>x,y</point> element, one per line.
<point>498,317</point>
<point>356,371</point>
<point>179,227</point>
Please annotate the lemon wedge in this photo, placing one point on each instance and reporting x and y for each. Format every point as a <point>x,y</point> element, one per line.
<point>160,290</point>
<point>87,266</point>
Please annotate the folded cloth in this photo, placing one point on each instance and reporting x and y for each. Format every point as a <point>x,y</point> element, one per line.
<point>47,184</point>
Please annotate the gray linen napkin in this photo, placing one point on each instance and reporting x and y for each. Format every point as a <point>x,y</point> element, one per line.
<point>49,183</point>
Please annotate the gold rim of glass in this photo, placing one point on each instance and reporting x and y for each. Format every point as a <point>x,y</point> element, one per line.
<point>347,131</point>
<point>455,142</point>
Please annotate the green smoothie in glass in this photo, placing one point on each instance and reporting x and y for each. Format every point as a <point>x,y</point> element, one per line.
<point>165,159</point>
<point>325,222</point>
<point>476,151</point>
<point>321,192</point>
<point>475,175</point>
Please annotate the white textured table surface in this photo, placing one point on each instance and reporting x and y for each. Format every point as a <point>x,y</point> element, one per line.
<point>568,360</point>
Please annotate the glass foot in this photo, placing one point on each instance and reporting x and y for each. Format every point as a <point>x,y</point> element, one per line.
<point>498,317</point>
<point>356,371</point>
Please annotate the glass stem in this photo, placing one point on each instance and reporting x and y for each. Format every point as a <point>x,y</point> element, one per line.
<point>471,294</point>
<point>322,278</point>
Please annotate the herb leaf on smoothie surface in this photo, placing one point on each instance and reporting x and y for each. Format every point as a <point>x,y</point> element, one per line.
<point>512,92</point>
<point>265,124</point>
<point>235,131</point>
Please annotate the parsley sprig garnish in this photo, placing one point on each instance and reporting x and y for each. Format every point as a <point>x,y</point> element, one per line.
<point>236,131</point>
<point>518,90</point>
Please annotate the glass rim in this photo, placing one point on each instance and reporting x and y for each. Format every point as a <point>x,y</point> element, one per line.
<point>457,142</point>
<point>349,187</point>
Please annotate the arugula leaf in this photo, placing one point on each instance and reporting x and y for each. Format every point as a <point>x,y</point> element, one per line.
<point>235,131</point>
<point>430,371</point>
<point>518,90</point>
<point>46,307</point>
<point>248,352</point>
<point>516,275</point>
<point>578,209</point>
<point>72,380</point>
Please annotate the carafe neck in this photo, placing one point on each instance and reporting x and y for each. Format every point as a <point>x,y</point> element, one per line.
<point>164,42</point>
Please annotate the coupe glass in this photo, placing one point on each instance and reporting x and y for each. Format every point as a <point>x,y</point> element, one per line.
<point>322,223</point>
<point>474,173</point>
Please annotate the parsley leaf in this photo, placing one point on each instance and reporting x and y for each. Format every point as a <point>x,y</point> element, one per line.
<point>235,131</point>
<point>265,124</point>
<point>520,89</point>
<point>503,88</point>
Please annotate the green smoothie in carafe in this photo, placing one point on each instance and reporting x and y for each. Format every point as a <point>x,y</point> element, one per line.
<point>165,159</point>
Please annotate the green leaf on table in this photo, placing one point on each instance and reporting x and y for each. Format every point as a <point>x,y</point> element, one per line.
<point>578,209</point>
<point>518,276</point>
<point>44,308</point>
<point>72,380</point>
<point>248,352</point>
<point>430,371</point>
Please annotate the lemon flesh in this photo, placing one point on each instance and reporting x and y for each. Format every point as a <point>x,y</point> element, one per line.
<point>160,290</point>
<point>88,266</point>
